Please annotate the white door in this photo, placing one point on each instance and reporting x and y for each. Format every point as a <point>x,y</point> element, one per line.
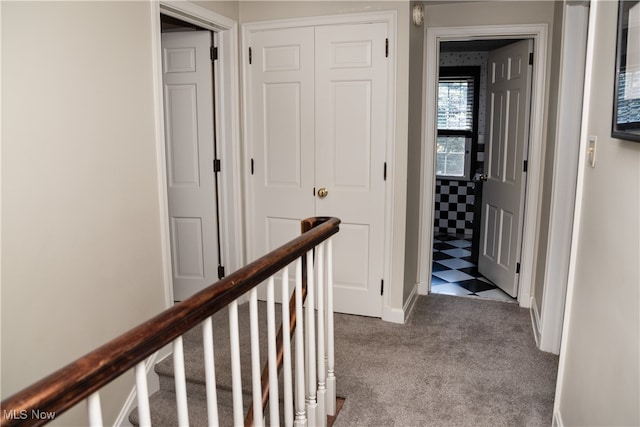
<point>351,135</point>
<point>282,131</point>
<point>508,95</point>
<point>189,134</point>
<point>318,120</point>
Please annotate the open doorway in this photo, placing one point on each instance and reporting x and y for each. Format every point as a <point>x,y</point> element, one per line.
<point>193,164</point>
<point>537,34</point>
<point>223,32</point>
<point>460,172</point>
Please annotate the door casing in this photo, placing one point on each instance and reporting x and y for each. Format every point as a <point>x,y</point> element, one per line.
<point>227,131</point>
<point>435,35</point>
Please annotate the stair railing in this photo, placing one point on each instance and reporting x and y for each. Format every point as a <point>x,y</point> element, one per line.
<point>313,396</point>
<point>317,391</point>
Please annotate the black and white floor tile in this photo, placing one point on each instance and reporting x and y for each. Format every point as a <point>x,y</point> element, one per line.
<point>453,271</point>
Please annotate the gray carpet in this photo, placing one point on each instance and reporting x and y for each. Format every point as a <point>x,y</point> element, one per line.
<point>457,362</point>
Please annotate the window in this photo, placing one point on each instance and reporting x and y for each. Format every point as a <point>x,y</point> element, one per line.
<point>457,121</point>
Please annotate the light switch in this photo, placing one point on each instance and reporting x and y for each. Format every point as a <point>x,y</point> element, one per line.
<point>591,150</point>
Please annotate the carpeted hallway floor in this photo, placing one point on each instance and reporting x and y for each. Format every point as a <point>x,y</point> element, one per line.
<point>457,362</point>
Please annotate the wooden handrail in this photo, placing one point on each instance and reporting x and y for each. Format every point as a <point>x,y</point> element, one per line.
<point>71,384</point>
<point>306,225</point>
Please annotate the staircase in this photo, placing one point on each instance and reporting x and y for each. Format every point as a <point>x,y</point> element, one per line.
<point>163,403</point>
<point>302,352</point>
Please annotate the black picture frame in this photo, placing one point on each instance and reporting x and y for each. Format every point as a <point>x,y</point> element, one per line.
<point>626,94</point>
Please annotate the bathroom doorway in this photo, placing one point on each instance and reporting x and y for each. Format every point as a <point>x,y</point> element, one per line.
<point>465,109</point>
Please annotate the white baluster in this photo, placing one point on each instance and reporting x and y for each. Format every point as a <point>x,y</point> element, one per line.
<point>142,394</point>
<point>236,382</point>
<point>321,418</point>
<point>95,410</point>
<point>310,342</point>
<point>181,382</point>
<point>301,415</point>
<point>331,379</point>
<point>274,410</point>
<point>210,372</point>
<point>256,384</point>
<point>286,346</point>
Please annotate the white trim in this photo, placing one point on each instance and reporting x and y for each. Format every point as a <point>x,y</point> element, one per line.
<point>410,303</point>
<point>228,137</point>
<point>386,17</point>
<point>423,288</point>
<point>197,15</point>
<point>577,216</point>
<point>538,32</point>
<point>165,241</point>
<point>227,128</point>
<point>557,419</point>
<point>565,172</point>
<point>397,315</point>
<point>389,17</point>
<point>535,321</point>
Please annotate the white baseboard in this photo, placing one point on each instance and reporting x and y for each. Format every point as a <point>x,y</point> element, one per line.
<point>397,315</point>
<point>557,419</point>
<point>423,288</point>
<point>411,302</point>
<point>153,385</point>
<point>535,321</point>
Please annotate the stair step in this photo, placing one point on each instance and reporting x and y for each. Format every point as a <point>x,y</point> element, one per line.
<point>194,353</point>
<point>164,413</point>
<point>163,403</point>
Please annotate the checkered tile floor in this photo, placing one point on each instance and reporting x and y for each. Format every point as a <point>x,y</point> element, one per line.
<point>454,273</point>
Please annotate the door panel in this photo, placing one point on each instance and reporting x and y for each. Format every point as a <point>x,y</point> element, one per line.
<point>351,139</point>
<point>281,137</point>
<point>282,133</point>
<point>189,135</point>
<point>503,192</point>
<point>281,91</point>
<point>318,101</point>
<point>187,250</point>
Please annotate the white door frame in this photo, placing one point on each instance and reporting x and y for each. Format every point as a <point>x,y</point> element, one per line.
<point>434,35</point>
<point>389,18</point>
<point>225,33</point>
<point>548,318</point>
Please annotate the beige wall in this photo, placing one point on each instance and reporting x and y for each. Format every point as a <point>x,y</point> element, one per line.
<point>454,14</point>
<point>549,151</point>
<point>414,157</point>
<point>81,250</point>
<point>230,9</point>
<point>251,11</point>
<point>599,381</point>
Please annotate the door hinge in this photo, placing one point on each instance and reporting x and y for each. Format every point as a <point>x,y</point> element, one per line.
<point>518,268</point>
<point>251,166</point>
<point>386,48</point>
<point>525,166</point>
<point>214,53</point>
<point>216,165</point>
<point>221,272</point>
<point>250,56</point>
<point>531,58</point>
<point>382,287</point>
<point>384,172</point>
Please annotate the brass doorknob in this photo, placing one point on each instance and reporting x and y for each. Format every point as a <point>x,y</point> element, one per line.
<point>323,192</point>
<point>483,177</point>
